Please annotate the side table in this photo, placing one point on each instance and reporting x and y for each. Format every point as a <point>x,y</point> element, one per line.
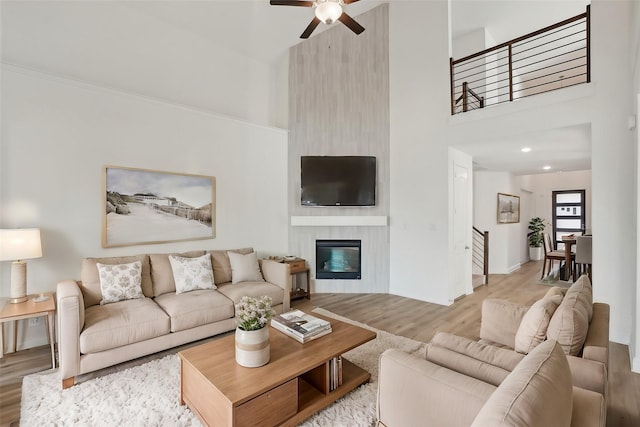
<point>298,266</point>
<point>27,310</point>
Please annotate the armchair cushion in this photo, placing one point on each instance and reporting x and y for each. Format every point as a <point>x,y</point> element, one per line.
<point>537,393</point>
<point>533,327</point>
<point>570,323</point>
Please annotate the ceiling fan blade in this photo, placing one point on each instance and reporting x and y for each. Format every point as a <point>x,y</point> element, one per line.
<point>349,22</point>
<point>312,26</point>
<point>350,1</point>
<point>291,3</point>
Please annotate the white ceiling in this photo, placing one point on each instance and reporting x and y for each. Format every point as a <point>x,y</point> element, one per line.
<point>264,32</point>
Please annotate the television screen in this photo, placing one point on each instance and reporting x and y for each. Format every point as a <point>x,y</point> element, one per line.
<point>338,180</point>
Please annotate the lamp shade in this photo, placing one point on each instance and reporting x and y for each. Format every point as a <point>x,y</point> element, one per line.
<point>19,244</point>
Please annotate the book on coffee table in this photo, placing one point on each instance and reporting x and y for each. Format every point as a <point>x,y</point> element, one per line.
<point>301,326</point>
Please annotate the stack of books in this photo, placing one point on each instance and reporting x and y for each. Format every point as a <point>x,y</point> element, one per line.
<point>301,326</point>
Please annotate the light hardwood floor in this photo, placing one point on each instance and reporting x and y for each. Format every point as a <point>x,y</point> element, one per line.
<point>402,316</point>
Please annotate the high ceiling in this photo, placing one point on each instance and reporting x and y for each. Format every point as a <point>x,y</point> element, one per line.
<point>258,30</point>
<point>265,32</point>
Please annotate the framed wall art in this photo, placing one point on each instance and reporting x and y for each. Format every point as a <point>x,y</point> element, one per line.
<point>508,208</point>
<point>143,206</point>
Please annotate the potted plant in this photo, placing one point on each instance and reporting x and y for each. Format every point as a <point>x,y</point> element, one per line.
<point>252,333</point>
<point>536,227</point>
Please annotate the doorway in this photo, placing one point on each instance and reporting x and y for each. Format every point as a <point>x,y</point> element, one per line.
<point>569,215</point>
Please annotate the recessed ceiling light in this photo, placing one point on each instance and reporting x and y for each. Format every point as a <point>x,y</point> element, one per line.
<point>525,149</point>
<point>546,167</point>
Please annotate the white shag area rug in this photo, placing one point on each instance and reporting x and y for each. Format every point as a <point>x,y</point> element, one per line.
<point>149,394</point>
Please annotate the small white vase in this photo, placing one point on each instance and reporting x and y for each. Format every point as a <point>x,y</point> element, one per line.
<point>252,347</point>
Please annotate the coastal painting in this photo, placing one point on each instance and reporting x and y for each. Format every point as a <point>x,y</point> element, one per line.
<point>145,206</point>
<point>508,208</point>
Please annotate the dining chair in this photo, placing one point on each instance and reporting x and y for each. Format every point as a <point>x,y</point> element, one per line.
<point>550,256</point>
<point>583,257</point>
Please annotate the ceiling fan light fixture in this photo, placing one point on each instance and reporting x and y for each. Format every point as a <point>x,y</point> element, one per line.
<point>328,11</point>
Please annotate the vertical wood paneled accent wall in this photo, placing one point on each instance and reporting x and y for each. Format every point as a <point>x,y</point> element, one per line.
<point>339,105</point>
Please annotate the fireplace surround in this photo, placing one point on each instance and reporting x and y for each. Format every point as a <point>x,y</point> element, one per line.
<point>338,259</point>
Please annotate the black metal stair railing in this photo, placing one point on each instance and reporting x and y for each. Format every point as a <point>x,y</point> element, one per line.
<point>480,252</point>
<point>552,58</point>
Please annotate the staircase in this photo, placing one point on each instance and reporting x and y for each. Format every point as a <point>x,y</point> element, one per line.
<point>480,258</point>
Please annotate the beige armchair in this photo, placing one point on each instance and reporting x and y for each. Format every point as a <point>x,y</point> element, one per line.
<point>538,392</point>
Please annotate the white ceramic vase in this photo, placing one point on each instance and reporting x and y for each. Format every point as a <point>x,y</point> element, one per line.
<point>252,347</point>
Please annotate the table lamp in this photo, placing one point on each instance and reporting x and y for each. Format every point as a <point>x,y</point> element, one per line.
<point>17,245</point>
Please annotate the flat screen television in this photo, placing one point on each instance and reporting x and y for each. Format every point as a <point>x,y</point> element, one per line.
<point>338,180</point>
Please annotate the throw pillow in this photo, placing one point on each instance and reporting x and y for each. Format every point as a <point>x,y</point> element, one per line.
<point>120,282</point>
<point>244,268</point>
<point>533,327</point>
<point>538,393</point>
<point>191,274</point>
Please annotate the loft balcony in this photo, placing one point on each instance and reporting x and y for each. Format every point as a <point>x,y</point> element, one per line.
<point>552,58</point>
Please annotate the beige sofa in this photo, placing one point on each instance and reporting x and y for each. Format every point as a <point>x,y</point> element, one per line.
<point>93,336</point>
<point>508,333</point>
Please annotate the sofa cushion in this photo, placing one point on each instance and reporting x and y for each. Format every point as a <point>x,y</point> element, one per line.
<point>222,265</point>
<point>191,274</point>
<point>537,393</point>
<point>252,289</point>
<point>162,274</point>
<point>121,323</point>
<point>195,308</point>
<point>533,327</point>
<point>481,361</point>
<point>582,287</point>
<point>244,267</point>
<point>556,290</point>
<point>91,280</point>
<point>120,282</point>
<point>570,322</point>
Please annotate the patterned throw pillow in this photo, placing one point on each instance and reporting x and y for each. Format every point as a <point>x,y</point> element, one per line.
<point>119,282</point>
<point>192,273</point>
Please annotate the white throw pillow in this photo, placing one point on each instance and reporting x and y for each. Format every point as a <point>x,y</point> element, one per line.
<point>191,274</point>
<point>119,282</point>
<point>244,268</point>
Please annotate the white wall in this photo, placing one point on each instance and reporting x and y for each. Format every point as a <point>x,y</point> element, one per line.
<point>606,103</point>
<point>634,58</point>
<point>419,94</point>
<point>112,44</point>
<point>57,135</point>
<point>505,240</point>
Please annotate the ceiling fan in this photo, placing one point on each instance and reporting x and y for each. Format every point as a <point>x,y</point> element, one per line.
<point>327,11</point>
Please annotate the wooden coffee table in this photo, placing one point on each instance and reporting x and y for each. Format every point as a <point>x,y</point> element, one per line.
<point>290,388</point>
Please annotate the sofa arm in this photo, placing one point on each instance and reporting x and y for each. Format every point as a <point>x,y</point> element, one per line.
<point>279,274</point>
<point>596,345</point>
<point>589,409</point>
<point>70,323</point>
<point>500,321</point>
<point>589,374</point>
<point>414,391</point>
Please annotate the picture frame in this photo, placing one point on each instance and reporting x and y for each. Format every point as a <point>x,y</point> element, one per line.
<point>143,206</point>
<point>508,208</point>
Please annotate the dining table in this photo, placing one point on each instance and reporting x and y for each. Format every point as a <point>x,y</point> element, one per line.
<point>568,241</point>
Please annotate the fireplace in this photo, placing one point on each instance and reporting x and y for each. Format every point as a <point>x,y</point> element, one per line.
<point>338,259</point>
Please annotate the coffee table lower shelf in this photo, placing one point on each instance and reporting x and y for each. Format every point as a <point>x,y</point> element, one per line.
<point>311,400</point>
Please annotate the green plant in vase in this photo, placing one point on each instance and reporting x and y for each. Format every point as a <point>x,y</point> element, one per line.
<point>536,227</point>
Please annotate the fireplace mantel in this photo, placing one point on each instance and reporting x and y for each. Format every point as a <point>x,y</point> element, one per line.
<point>339,221</point>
